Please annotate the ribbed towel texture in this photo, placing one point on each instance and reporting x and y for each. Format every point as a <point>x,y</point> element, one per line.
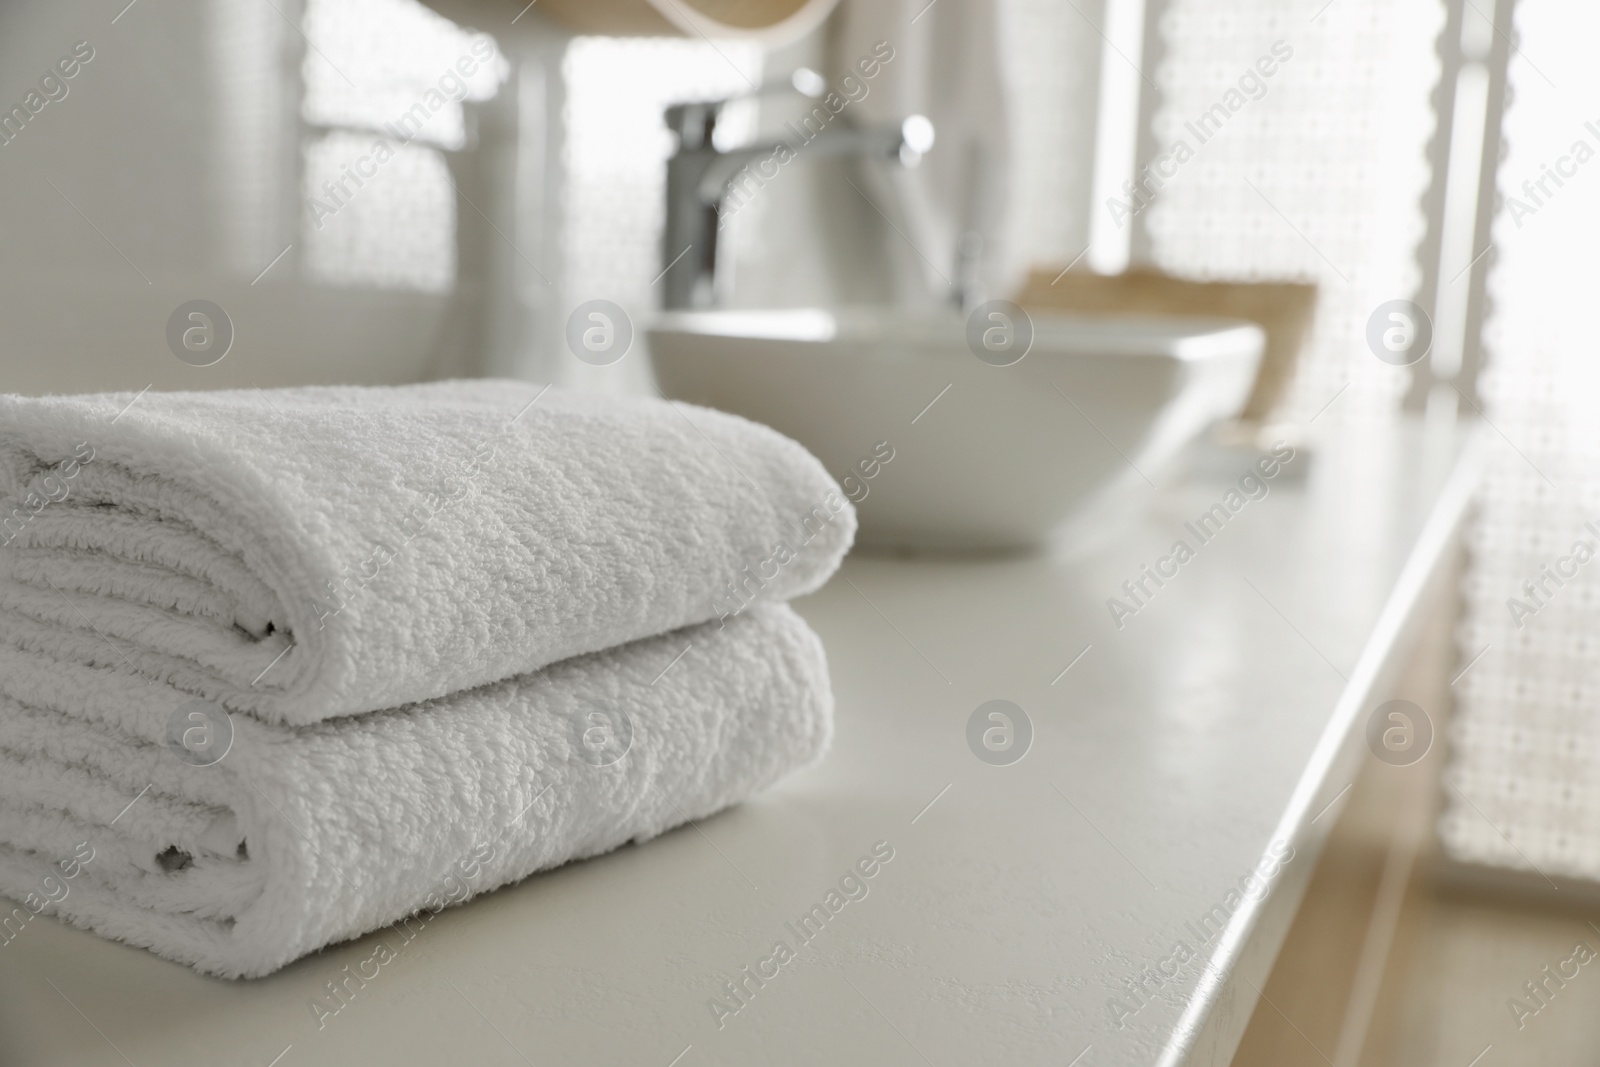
<point>295,664</point>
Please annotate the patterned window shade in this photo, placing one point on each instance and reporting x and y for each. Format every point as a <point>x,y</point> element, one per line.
<point>1523,788</point>
<point>396,232</point>
<point>1314,172</point>
<point>370,62</point>
<point>386,84</point>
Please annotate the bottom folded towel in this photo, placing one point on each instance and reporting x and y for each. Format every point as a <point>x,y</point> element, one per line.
<point>117,813</point>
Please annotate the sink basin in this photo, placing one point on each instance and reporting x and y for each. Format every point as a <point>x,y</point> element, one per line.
<point>941,449</point>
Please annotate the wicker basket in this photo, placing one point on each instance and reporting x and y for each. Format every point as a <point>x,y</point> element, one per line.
<point>1283,309</point>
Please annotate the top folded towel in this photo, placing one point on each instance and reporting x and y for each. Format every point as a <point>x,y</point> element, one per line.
<point>307,553</point>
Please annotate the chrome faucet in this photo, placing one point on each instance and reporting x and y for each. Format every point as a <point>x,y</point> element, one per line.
<point>706,184</point>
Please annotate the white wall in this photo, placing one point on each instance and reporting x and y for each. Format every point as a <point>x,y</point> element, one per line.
<point>168,173</point>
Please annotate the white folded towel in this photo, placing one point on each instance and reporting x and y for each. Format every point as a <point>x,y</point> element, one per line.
<point>279,668</point>
<point>301,836</point>
<point>309,553</point>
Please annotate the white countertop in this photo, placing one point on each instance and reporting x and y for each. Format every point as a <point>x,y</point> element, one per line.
<point>1164,766</point>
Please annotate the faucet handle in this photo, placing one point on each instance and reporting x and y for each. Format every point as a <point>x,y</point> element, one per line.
<point>695,121</point>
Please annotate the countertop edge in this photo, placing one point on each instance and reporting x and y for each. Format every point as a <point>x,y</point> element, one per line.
<point>1215,1018</point>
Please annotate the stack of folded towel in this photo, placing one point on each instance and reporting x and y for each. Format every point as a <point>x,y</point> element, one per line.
<point>279,668</point>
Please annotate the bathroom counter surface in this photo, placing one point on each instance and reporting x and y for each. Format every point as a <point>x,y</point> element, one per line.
<point>1116,894</point>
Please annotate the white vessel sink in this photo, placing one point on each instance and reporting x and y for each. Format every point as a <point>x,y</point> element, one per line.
<point>982,456</point>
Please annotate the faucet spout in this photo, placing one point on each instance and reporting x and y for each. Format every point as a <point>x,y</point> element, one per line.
<point>702,179</point>
<point>904,143</point>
